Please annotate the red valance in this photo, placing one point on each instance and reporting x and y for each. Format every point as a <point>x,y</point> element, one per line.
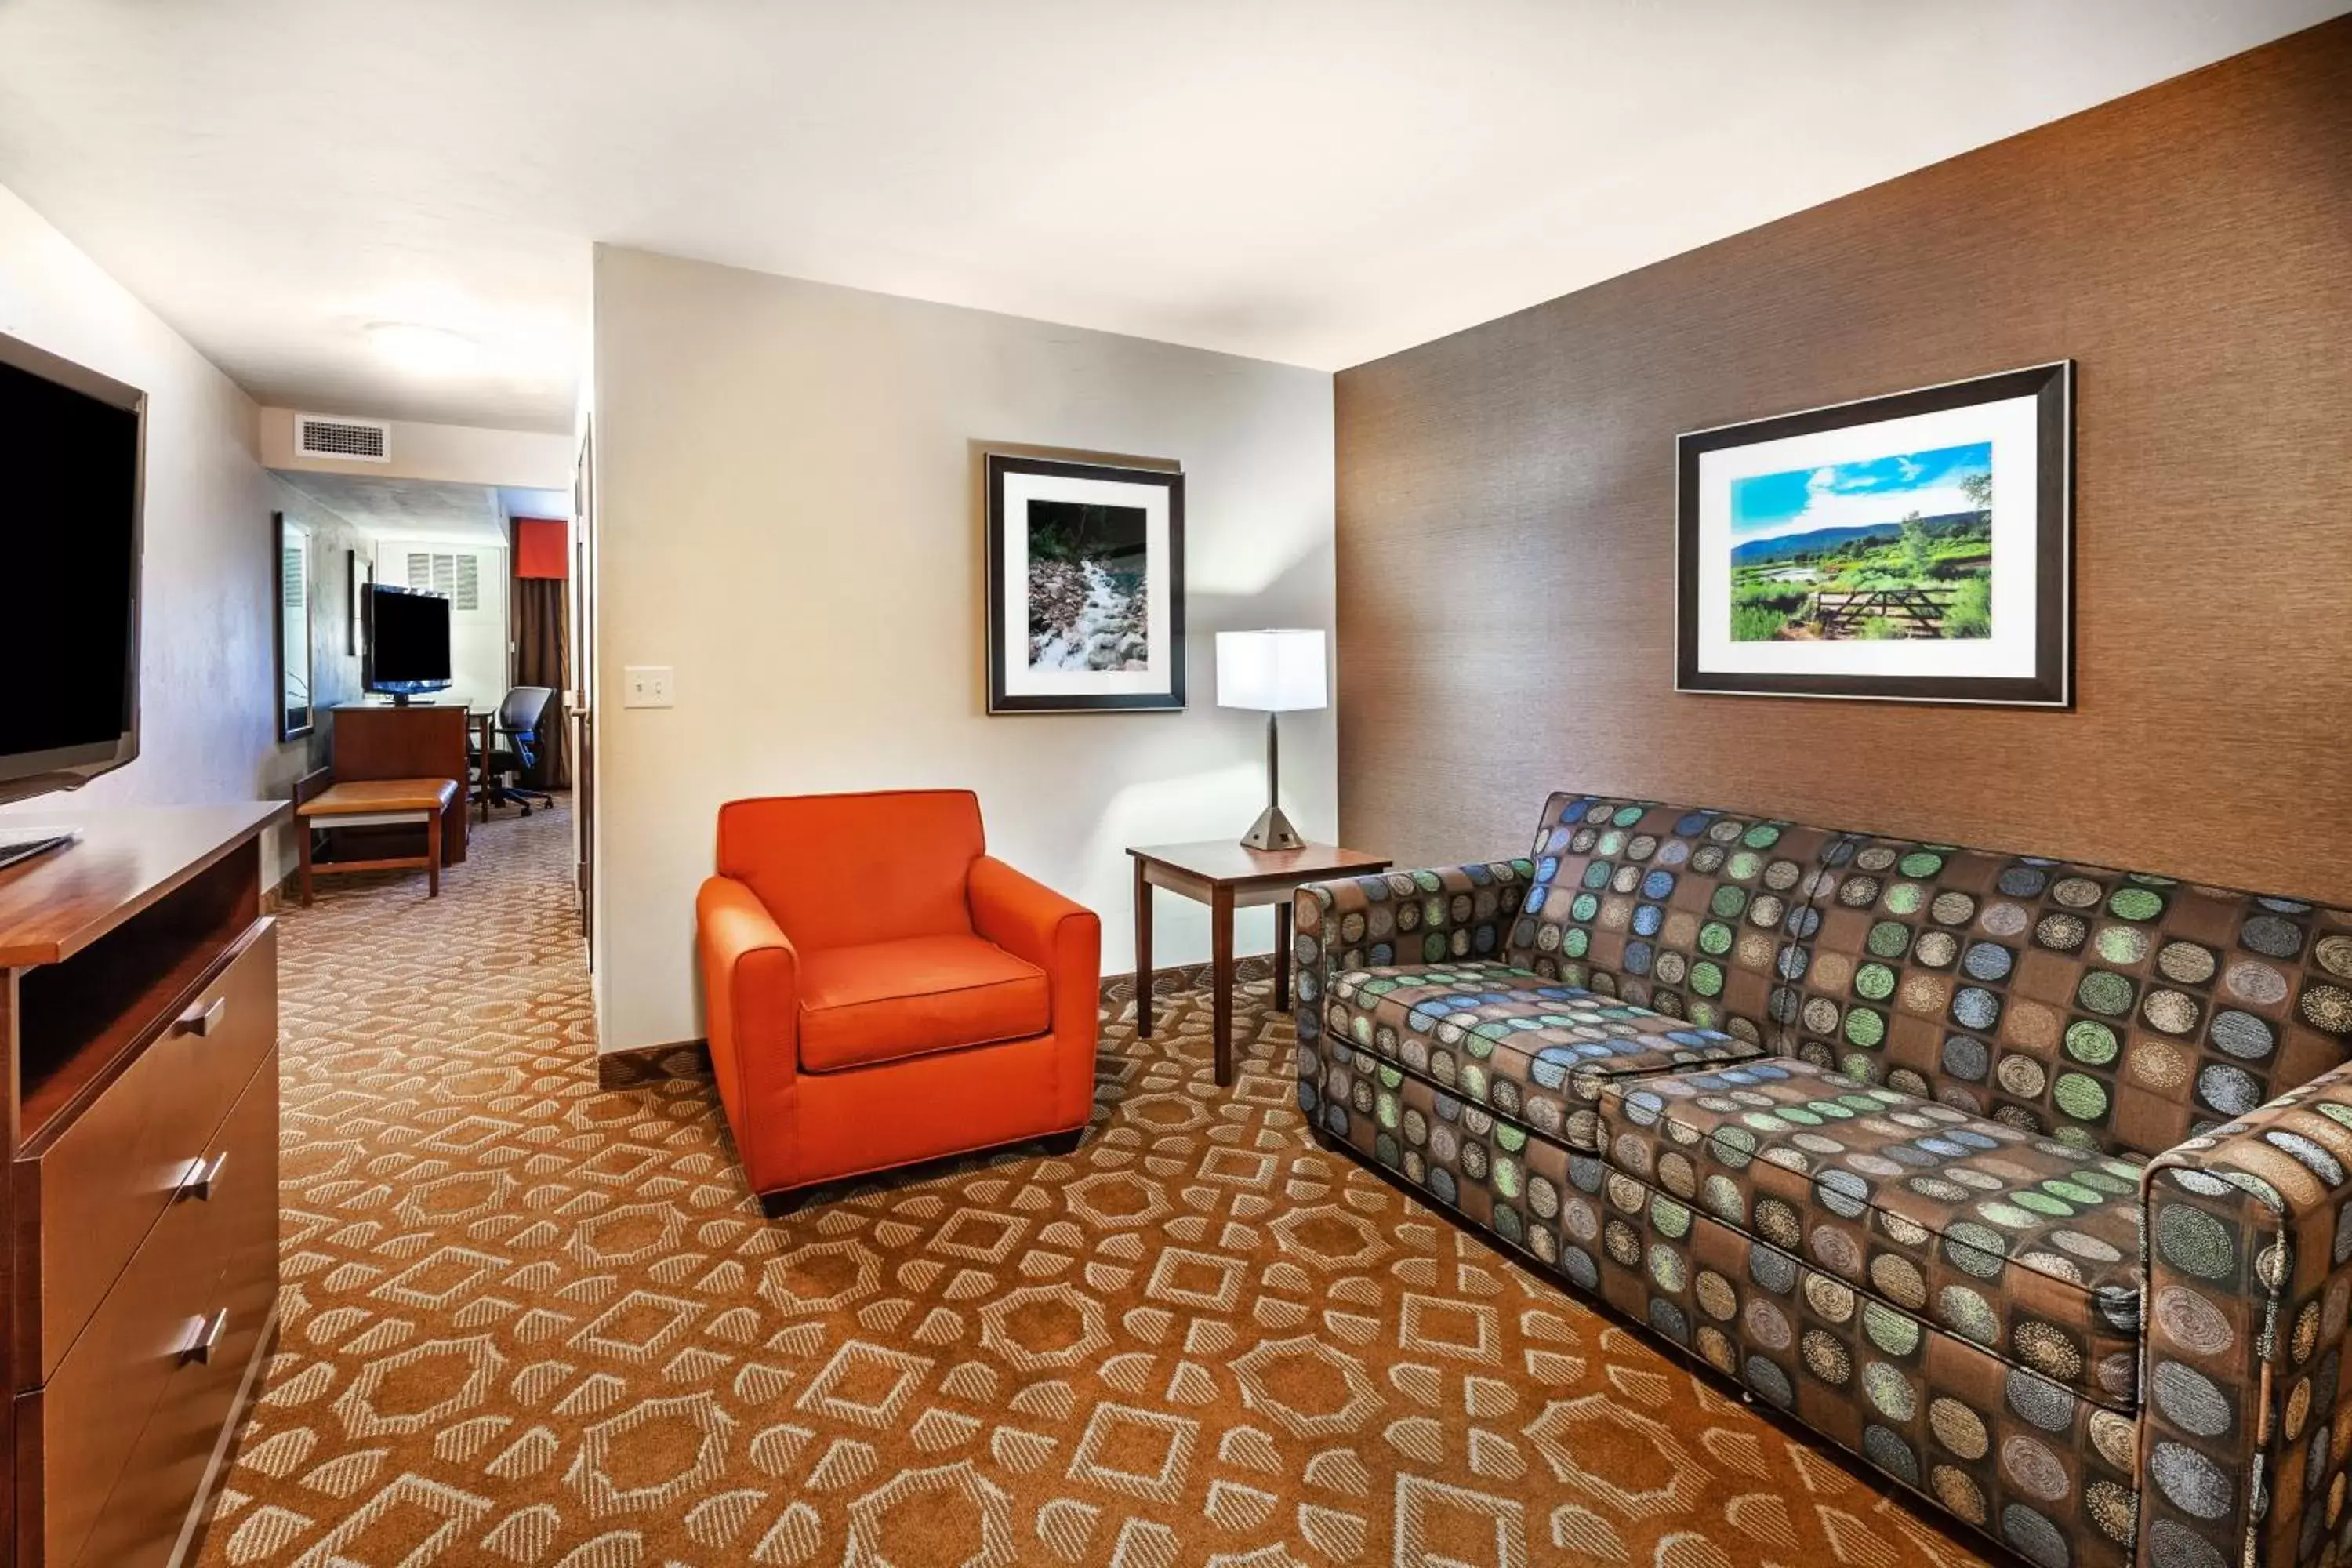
<point>542,547</point>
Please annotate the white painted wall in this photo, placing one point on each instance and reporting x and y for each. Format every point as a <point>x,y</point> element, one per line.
<point>208,661</point>
<point>788,514</point>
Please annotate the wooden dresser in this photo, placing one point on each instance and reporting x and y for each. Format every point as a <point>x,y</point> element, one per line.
<point>138,1010</point>
<point>423,741</point>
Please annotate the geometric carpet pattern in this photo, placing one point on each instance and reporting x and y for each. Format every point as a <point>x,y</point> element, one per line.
<point>528,1320</point>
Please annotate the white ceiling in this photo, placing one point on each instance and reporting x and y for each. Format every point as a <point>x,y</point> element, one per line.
<point>1314,180</point>
<point>425,509</point>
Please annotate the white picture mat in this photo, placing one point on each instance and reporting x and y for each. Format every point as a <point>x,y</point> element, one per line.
<point>2010,425</point>
<point>1021,680</point>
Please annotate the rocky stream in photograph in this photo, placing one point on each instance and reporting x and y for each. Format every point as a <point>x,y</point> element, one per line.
<point>1086,615</point>
<point>1087,601</point>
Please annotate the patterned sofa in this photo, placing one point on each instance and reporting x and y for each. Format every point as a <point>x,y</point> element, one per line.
<point>2024,1181</point>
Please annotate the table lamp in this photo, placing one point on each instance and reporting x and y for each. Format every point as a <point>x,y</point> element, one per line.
<point>1274,672</point>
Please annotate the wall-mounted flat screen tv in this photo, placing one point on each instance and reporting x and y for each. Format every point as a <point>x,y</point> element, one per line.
<point>71,452</point>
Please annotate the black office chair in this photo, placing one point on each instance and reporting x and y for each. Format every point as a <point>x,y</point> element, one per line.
<point>514,746</point>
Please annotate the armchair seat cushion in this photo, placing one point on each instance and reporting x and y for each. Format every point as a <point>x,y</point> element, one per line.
<point>885,1001</point>
<point>2025,1245</point>
<point>1531,1049</point>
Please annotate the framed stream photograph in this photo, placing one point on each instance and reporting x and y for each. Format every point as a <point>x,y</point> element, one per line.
<point>1912,548</point>
<point>1085,587</point>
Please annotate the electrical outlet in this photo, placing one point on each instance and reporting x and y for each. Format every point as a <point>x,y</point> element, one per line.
<point>646,686</point>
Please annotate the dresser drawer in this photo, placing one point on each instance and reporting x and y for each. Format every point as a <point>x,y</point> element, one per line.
<point>124,1432</point>
<point>99,1182</point>
<point>139,1522</point>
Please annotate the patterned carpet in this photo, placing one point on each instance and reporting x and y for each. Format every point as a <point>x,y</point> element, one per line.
<point>530,1321</point>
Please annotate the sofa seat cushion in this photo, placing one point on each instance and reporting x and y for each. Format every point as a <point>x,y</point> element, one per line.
<point>885,1001</point>
<point>1531,1049</point>
<point>2028,1246</point>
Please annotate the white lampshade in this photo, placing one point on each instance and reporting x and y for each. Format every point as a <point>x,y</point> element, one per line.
<point>1271,671</point>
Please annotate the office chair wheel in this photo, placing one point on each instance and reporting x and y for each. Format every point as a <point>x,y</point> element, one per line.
<point>526,808</point>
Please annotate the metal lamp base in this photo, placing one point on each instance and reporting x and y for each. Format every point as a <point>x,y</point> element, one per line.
<point>1271,830</point>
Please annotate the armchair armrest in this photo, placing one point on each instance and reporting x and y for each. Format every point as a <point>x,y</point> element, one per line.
<point>751,982</point>
<point>1063,938</point>
<point>1450,913</point>
<point>1032,923</point>
<point>2249,1282</point>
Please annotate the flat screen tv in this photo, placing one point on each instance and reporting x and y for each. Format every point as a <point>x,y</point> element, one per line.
<point>72,446</point>
<point>407,641</point>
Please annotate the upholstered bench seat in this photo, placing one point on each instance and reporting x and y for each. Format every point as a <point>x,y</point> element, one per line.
<point>1531,1049</point>
<point>2027,1246</point>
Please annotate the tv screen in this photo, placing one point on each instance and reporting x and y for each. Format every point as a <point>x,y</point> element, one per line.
<point>408,640</point>
<point>70,447</point>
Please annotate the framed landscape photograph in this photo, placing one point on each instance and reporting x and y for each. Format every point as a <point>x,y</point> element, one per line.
<point>1911,548</point>
<point>1085,587</point>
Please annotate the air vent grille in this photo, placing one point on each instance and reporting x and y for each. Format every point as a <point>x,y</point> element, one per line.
<point>348,440</point>
<point>456,578</point>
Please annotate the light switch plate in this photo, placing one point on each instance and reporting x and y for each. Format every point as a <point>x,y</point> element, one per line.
<point>646,686</point>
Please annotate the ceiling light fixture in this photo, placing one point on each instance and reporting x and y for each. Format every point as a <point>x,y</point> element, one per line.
<point>412,346</point>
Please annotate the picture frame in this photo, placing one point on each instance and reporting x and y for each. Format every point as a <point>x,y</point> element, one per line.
<point>1085,587</point>
<point>357,574</point>
<point>1916,547</point>
<point>291,588</point>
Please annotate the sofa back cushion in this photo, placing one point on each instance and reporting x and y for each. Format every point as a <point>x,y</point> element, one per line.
<point>1684,909</point>
<point>2106,1009</point>
<point>841,870</point>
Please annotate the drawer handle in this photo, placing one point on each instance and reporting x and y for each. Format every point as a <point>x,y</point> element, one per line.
<point>202,1018</point>
<point>206,1337</point>
<point>197,1180</point>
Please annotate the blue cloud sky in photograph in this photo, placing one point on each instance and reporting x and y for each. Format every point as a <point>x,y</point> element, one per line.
<point>1858,494</point>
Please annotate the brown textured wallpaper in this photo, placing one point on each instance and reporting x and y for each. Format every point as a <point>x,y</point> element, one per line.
<point>1506,506</point>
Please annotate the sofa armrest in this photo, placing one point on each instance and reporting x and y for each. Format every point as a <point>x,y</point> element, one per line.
<point>750,983</point>
<point>2249,1248</point>
<point>1449,913</point>
<point>1063,938</point>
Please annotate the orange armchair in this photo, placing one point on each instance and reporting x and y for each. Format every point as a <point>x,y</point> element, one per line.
<point>879,991</point>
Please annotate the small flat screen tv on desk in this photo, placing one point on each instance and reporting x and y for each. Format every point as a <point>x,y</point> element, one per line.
<point>71,448</point>
<point>407,641</point>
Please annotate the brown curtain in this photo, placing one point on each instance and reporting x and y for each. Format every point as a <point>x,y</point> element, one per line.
<point>542,658</point>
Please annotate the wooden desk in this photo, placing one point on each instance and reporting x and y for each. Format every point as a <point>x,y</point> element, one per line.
<point>418,742</point>
<point>1228,876</point>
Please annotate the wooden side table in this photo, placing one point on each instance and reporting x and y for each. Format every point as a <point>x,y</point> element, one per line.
<point>1228,876</point>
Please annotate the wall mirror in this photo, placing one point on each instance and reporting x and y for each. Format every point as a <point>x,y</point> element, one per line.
<point>293,628</point>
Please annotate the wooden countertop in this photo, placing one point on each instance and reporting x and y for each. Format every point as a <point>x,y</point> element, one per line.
<point>1229,860</point>
<point>53,905</point>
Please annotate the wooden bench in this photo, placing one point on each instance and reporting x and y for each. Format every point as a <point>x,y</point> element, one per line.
<point>367,803</point>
